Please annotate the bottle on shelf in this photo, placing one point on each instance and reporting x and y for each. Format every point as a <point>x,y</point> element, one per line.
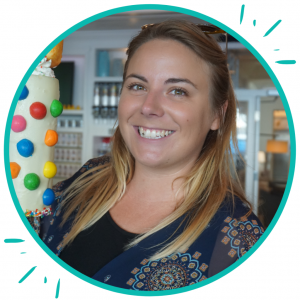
<point>113,103</point>
<point>119,89</point>
<point>104,101</point>
<point>96,106</point>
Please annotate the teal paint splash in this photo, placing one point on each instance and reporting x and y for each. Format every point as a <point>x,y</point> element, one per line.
<point>272,28</point>
<point>23,252</point>
<point>242,13</point>
<point>13,241</point>
<point>254,22</point>
<point>27,274</point>
<point>45,279</point>
<point>276,49</point>
<point>286,62</point>
<point>57,289</point>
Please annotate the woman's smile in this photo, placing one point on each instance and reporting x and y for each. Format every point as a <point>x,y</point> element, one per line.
<point>153,133</point>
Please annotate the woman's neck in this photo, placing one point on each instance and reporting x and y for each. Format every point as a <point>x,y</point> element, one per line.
<point>159,186</point>
<point>149,198</point>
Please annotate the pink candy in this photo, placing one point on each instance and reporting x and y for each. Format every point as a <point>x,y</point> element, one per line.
<point>18,123</point>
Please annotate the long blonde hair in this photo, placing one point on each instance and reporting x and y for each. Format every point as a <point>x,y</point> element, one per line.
<point>209,182</point>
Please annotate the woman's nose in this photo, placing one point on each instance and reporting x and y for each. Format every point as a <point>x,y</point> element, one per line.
<point>152,105</point>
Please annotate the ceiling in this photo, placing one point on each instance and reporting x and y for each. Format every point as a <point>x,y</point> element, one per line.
<point>136,19</point>
<point>250,68</point>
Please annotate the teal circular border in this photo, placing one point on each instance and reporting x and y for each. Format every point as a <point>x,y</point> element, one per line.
<point>194,14</point>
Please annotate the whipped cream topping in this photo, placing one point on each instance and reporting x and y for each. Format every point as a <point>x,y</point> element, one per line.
<point>153,134</point>
<point>44,69</point>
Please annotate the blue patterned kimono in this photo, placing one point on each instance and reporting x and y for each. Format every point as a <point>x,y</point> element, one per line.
<point>228,236</point>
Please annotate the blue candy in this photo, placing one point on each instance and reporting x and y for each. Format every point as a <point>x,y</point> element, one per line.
<point>24,93</point>
<point>48,197</point>
<point>25,148</point>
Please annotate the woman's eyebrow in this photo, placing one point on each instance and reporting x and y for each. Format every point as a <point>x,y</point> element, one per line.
<point>176,80</point>
<point>170,80</point>
<point>136,76</point>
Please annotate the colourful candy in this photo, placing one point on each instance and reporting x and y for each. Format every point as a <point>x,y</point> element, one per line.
<point>31,181</point>
<point>56,108</point>
<point>25,148</point>
<point>48,197</point>
<point>18,123</point>
<point>51,138</point>
<point>24,93</point>
<point>38,110</point>
<point>49,169</point>
<point>46,212</point>
<point>14,169</point>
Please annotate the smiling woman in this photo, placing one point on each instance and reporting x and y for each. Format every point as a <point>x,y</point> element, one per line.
<point>163,211</point>
<point>166,96</point>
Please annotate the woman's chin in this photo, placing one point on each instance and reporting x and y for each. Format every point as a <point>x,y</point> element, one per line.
<point>151,160</point>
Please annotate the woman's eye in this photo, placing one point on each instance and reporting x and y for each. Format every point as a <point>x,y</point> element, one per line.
<point>136,87</point>
<point>179,92</point>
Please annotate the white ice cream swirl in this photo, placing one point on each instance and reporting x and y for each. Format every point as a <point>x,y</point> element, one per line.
<point>44,69</point>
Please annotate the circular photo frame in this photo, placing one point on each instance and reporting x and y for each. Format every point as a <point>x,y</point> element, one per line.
<point>231,33</point>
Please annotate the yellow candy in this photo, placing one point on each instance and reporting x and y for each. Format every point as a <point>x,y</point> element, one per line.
<point>49,169</point>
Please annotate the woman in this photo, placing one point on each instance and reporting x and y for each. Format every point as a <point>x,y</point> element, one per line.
<point>163,211</point>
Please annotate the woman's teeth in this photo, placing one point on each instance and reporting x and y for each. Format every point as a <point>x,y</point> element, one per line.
<point>153,134</point>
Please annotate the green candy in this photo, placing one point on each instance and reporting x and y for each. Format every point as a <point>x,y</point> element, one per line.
<point>56,108</point>
<point>31,181</point>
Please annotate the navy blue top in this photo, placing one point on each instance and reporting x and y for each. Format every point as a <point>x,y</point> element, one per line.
<point>227,237</point>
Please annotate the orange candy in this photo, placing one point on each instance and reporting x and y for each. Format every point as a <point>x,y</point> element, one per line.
<point>14,169</point>
<point>51,138</point>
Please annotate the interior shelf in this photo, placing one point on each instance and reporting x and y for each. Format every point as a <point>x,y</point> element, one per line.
<point>69,129</point>
<point>68,147</point>
<point>72,112</point>
<point>108,79</point>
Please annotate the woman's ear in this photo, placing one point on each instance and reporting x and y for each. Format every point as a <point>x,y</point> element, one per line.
<point>216,122</point>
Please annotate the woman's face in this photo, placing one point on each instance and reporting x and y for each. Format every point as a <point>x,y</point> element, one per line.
<point>164,109</point>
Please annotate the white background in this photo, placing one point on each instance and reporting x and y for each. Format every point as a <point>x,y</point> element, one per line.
<point>27,27</point>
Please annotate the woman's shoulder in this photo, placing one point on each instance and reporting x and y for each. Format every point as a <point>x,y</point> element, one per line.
<point>236,212</point>
<point>232,232</point>
<point>236,229</point>
<point>90,164</point>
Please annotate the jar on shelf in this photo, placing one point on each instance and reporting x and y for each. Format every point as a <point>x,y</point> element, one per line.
<point>103,64</point>
<point>104,146</point>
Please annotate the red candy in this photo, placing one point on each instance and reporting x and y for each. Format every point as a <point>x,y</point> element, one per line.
<point>38,110</point>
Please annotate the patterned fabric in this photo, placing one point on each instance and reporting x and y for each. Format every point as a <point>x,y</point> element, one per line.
<point>35,223</point>
<point>241,236</point>
<point>227,238</point>
<point>173,272</point>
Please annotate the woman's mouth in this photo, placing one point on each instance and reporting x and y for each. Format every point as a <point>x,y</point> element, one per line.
<point>154,134</point>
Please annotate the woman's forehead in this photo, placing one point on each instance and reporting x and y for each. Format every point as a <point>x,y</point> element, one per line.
<point>165,58</point>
